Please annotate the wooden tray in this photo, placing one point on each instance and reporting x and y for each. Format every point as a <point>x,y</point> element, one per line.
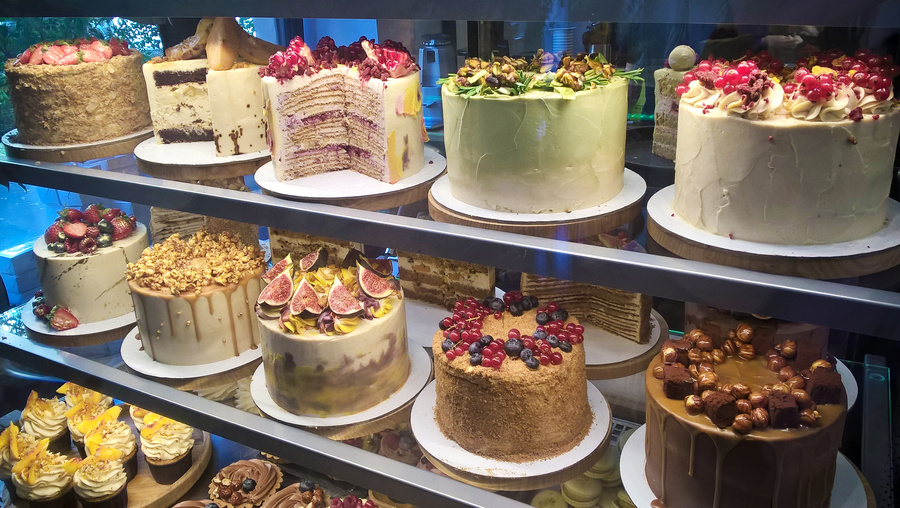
<point>73,153</point>
<point>144,492</point>
<point>189,162</point>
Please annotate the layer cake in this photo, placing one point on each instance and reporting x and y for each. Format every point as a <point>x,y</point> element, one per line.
<point>442,281</point>
<point>238,110</point>
<point>665,113</point>
<point>179,100</point>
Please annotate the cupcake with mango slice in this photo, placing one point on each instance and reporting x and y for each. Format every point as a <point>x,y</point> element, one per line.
<point>13,445</point>
<point>167,446</point>
<point>74,393</point>
<point>137,416</point>
<point>100,480</point>
<point>44,478</point>
<point>46,418</point>
<point>85,409</point>
<point>107,431</point>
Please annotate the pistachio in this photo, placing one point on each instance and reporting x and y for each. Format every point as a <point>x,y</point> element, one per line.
<point>742,424</point>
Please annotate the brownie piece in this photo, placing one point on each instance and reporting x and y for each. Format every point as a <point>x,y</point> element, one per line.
<point>677,382</point>
<point>721,409</point>
<point>825,386</point>
<point>681,346</point>
<point>783,411</point>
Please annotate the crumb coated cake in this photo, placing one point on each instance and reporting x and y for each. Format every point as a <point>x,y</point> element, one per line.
<point>333,337</point>
<point>665,113</point>
<point>511,368</point>
<point>194,298</point>
<point>356,107</point>
<point>736,429</point>
<point>79,91</point>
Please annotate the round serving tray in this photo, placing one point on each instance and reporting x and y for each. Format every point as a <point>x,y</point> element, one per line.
<point>73,153</point>
<point>194,161</point>
<point>85,334</point>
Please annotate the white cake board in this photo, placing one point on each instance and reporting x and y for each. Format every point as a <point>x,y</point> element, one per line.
<point>850,385</point>
<point>448,452</point>
<point>346,184</point>
<point>138,360</point>
<point>661,209</point>
<point>197,153</point>
<point>848,490</point>
<point>419,374</point>
<point>32,323</point>
<point>633,190</point>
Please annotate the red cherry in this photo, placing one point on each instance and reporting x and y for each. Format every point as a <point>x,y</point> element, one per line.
<point>545,348</point>
<point>528,342</point>
<point>513,333</point>
<point>862,54</point>
<point>552,327</point>
<point>576,339</point>
<point>814,95</point>
<point>458,351</point>
<point>874,61</point>
<point>545,359</point>
<point>799,74</point>
<point>552,307</point>
<point>498,315</point>
<point>451,355</point>
<point>688,77</point>
<point>732,77</point>
<point>729,89</point>
<point>563,335</point>
<point>458,305</point>
<point>578,329</point>
<point>487,353</point>
<point>556,358</point>
<point>860,79</point>
<point>704,66</point>
<point>454,336</point>
<point>882,94</point>
<point>719,82</point>
<point>476,325</point>
<point>465,336</point>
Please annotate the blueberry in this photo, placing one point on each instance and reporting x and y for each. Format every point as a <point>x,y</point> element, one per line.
<point>447,345</point>
<point>542,318</point>
<point>104,240</point>
<point>487,301</point>
<point>248,484</point>
<point>553,340</point>
<point>306,486</point>
<point>560,315</point>
<point>105,226</point>
<point>515,308</point>
<point>485,340</point>
<point>441,325</point>
<point>539,335</point>
<point>497,305</point>
<point>211,505</point>
<point>526,304</point>
<point>525,354</point>
<point>513,347</point>
<point>565,346</point>
<point>37,301</point>
<point>532,362</point>
<point>475,358</point>
<point>475,348</point>
<point>534,301</point>
<point>61,237</point>
<point>57,247</point>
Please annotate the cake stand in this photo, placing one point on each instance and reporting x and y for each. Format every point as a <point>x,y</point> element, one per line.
<point>492,474</point>
<point>387,414</point>
<point>195,161</point>
<point>187,377</point>
<point>871,254</point>
<point>73,153</point>
<point>850,488</point>
<point>85,334</point>
<point>354,190</point>
<point>575,225</point>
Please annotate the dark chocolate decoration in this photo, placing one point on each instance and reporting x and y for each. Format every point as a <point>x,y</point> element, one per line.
<point>721,409</point>
<point>783,411</point>
<point>677,382</point>
<point>825,386</point>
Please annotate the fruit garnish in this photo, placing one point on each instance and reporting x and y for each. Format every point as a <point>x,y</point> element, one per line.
<point>110,414</point>
<point>122,227</point>
<point>153,423</point>
<point>373,284</point>
<point>75,229</point>
<point>277,269</point>
<point>94,213</point>
<point>101,454</point>
<point>31,456</point>
<point>341,301</point>
<point>71,215</point>
<point>278,292</point>
<point>313,261</point>
<point>62,319</point>
<point>305,300</point>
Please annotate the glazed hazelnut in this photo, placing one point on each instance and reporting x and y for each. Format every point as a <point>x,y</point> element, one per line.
<point>821,364</point>
<point>729,347</point>
<point>706,356</point>
<point>725,388</point>
<point>694,404</point>
<point>767,389</point>
<point>772,352</point>
<point>705,343</point>
<point>776,363</point>
<point>695,355</point>
<point>742,424</point>
<point>740,390</point>
<point>781,387</point>
<point>789,349</point>
<point>804,401</point>
<point>809,418</point>
<point>718,356</point>
<point>744,333</point>
<point>695,334</point>
<point>786,373</point>
<point>759,399</point>
<point>805,373</point>
<point>696,388</point>
<point>708,381</point>
<point>760,418</point>
<point>706,367</point>
<point>695,373</point>
<point>658,372</point>
<point>746,352</point>
<point>705,394</point>
<point>743,406</point>
<point>732,335</point>
<point>796,383</point>
<point>669,355</point>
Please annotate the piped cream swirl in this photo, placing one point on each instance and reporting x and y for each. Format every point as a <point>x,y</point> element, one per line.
<point>170,441</point>
<point>45,421</point>
<point>99,479</point>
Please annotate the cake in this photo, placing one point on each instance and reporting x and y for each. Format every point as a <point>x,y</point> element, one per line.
<point>44,478</point>
<point>46,419</point>
<point>738,429</point>
<point>14,444</point>
<point>665,113</point>
<point>789,157</point>
<point>75,92</point>
<point>194,299</point>
<point>305,493</point>
<point>520,139</point>
<point>107,431</point>
<point>238,110</point>
<point>179,100</point>
<point>333,339</point>
<point>76,415</point>
<point>511,382</point>
<point>81,263</point>
<point>245,483</point>
<point>100,480</point>
<point>166,445</point>
<point>442,281</point>
<point>356,108</point>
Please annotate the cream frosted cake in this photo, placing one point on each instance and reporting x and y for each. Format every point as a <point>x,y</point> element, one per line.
<point>525,140</point>
<point>81,265</point>
<point>665,113</point>
<point>333,339</point>
<point>787,157</point>
<point>356,107</point>
<point>194,299</point>
<point>238,111</point>
<point>179,100</point>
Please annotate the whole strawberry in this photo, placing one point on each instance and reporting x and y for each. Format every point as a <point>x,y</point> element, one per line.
<point>62,319</point>
<point>111,213</point>
<point>93,213</point>
<point>122,227</point>
<point>52,233</point>
<point>70,215</point>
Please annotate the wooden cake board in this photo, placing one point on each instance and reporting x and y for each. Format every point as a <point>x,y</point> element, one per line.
<point>144,492</point>
<point>192,162</point>
<point>73,153</point>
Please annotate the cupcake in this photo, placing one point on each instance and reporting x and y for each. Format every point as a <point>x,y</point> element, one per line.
<point>137,416</point>
<point>85,409</point>
<point>205,503</point>
<point>46,418</point>
<point>306,494</point>
<point>167,446</point>
<point>352,502</point>
<point>100,480</point>
<point>582,492</point>
<point>245,483</point>
<point>400,446</point>
<point>13,446</point>
<point>75,393</point>
<point>44,478</point>
<point>108,431</point>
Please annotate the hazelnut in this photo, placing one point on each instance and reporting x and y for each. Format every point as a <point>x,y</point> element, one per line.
<point>729,347</point>
<point>694,334</point>
<point>776,363</point>
<point>705,343</point>
<point>742,424</point>
<point>705,394</point>
<point>781,387</point>
<point>725,388</point>
<point>706,356</point>
<point>744,333</point>
<point>759,399</point>
<point>658,372</point>
<point>772,352</point>
<point>796,383</point>
<point>821,364</point>
<point>695,355</point>
<point>732,335</point>
<point>694,404</point>
<point>809,418</point>
<point>786,373</point>
<point>708,381</point>
<point>706,367</point>
<point>760,418</point>
<point>788,349</point>
<point>695,373</point>
<point>766,389</point>
<point>740,390</point>
<point>743,406</point>
<point>746,352</point>
<point>669,355</point>
<point>718,356</point>
<point>804,401</point>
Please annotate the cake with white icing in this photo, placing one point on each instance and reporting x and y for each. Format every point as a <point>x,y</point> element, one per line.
<point>356,108</point>
<point>237,109</point>
<point>179,100</point>
<point>665,113</point>
<point>805,158</point>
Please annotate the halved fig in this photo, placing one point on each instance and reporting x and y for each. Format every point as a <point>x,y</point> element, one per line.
<point>372,283</point>
<point>305,299</point>
<point>277,269</point>
<point>278,292</point>
<point>314,260</point>
<point>341,301</point>
<point>352,257</point>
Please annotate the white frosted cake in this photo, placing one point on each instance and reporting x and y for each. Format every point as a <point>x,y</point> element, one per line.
<point>665,112</point>
<point>329,113</point>
<point>179,100</point>
<point>804,161</point>
<point>238,110</point>
<point>541,149</point>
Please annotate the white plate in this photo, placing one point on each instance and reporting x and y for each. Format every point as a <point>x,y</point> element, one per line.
<point>633,190</point>
<point>138,360</point>
<point>197,153</point>
<point>433,441</point>
<point>11,135</point>
<point>38,325</point>
<point>661,209</point>
<point>419,374</point>
<point>850,385</point>
<point>848,490</point>
<point>346,183</point>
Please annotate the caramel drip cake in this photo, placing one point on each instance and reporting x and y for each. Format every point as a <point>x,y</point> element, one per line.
<point>511,382</point>
<point>442,281</point>
<point>737,429</point>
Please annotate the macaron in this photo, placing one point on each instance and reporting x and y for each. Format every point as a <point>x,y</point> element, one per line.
<point>614,498</point>
<point>582,492</point>
<point>548,499</point>
<point>607,468</point>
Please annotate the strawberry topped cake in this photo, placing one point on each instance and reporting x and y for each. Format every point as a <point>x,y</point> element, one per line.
<point>81,262</point>
<point>795,156</point>
<point>79,91</point>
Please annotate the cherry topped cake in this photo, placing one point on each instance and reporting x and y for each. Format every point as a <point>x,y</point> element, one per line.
<point>525,363</point>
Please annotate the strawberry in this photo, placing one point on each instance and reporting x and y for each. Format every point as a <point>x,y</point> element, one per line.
<point>56,49</point>
<point>75,230</point>
<point>119,47</point>
<point>50,58</point>
<point>37,56</point>
<point>24,57</point>
<point>121,228</point>
<point>68,59</point>
<point>93,213</point>
<point>107,52</point>
<point>91,55</point>
<point>111,213</point>
<point>71,214</point>
<point>92,232</point>
<point>52,232</point>
<point>87,245</point>
<point>62,319</point>
<point>69,49</point>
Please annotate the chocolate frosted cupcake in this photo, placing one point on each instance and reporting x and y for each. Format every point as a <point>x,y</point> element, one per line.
<point>46,418</point>
<point>80,412</point>
<point>306,494</point>
<point>245,483</point>
<point>167,446</point>
<point>44,478</point>
<point>109,432</point>
<point>100,480</point>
